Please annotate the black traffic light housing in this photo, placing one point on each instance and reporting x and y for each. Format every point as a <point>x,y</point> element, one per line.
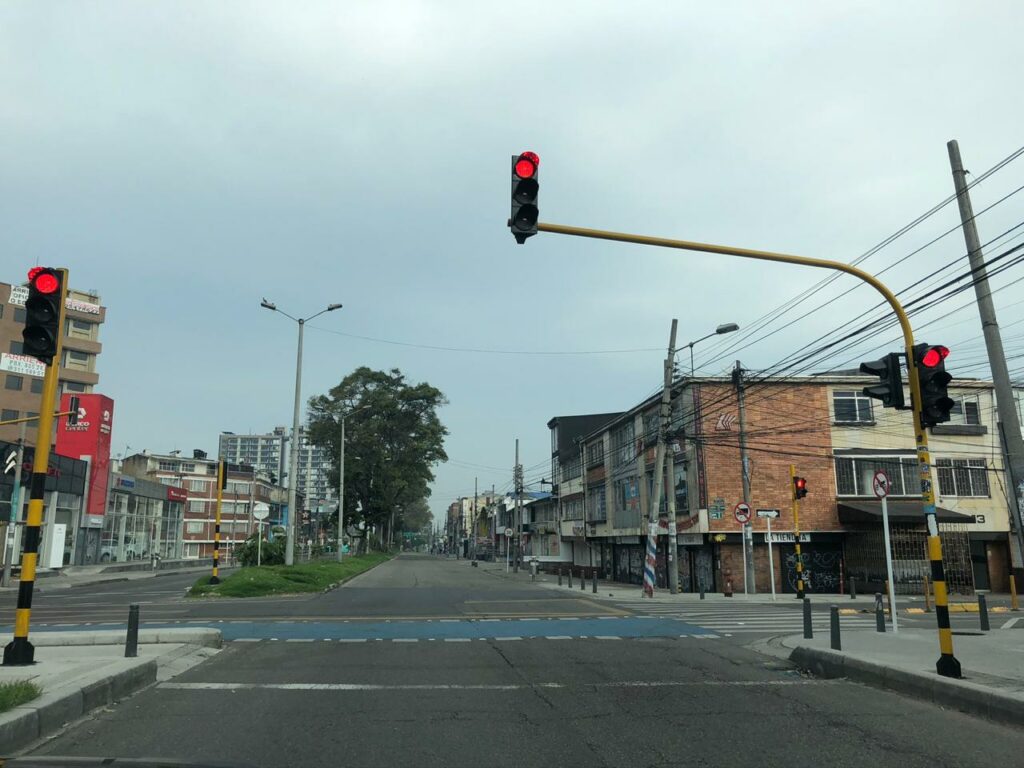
<point>43,313</point>
<point>73,411</point>
<point>523,221</point>
<point>936,403</point>
<point>799,487</point>
<point>890,388</point>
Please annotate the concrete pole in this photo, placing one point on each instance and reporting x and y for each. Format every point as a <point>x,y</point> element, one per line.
<point>1005,404</point>
<point>748,539</point>
<point>293,478</point>
<point>341,492</point>
<point>670,463</point>
<point>518,481</point>
<point>15,510</point>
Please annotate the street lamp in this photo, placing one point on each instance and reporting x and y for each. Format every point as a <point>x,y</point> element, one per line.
<point>289,551</point>
<point>341,483</point>
<point>724,328</point>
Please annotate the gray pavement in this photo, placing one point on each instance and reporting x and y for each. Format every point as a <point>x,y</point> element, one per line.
<point>562,700</point>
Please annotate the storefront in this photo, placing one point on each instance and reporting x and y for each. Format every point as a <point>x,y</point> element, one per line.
<point>143,521</point>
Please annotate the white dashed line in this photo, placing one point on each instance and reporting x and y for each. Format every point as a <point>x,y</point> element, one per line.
<point>508,638</point>
<point>457,639</point>
<point>405,640</point>
<point>607,637</point>
<point>450,621</point>
<point>558,637</point>
<point>247,640</point>
<point>299,640</point>
<point>351,639</point>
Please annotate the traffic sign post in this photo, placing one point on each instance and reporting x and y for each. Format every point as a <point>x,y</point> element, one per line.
<point>742,513</point>
<point>508,538</point>
<point>880,485</point>
<point>260,512</point>
<point>767,515</point>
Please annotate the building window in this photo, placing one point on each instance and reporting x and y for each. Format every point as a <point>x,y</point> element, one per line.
<point>168,466</point>
<point>965,410</point>
<point>571,468</point>
<point>13,382</point>
<point>199,486</point>
<point>651,427</point>
<point>623,450</point>
<point>962,477</point>
<point>19,314</point>
<point>78,329</point>
<point>573,510</point>
<point>73,386</point>
<point>17,348</point>
<point>595,454</point>
<point>854,475</point>
<point>851,407</point>
<point>37,386</point>
<point>197,507</point>
<point>8,414</point>
<point>194,526</point>
<point>597,510</point>
<point>75,359</point>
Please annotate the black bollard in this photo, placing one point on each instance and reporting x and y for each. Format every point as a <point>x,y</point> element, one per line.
<point>853,588</point>
<point>702,593</point>
<point>879,613</point>
<point>559,575</point>
<point>983,613</point>
<point>583,580</point>
<point>834,627</point>
<point>131,642</point>
<point>808,629</point>
<point>593,581</point>
<point>570,577</point>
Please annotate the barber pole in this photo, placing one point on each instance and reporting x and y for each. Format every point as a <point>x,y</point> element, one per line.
<point>652,560</point>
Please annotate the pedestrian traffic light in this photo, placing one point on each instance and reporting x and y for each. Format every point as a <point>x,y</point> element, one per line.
<point>799,487</point>
<point>524,196</point>
<point>43,313</point>
<point>890,390</point>
<point>73,411</point>
<point>936,403</point>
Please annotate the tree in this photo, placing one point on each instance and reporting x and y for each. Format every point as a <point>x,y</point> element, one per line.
<point>393,440</point>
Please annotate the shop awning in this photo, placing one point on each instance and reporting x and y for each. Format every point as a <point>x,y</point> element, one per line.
<point>900,511</point>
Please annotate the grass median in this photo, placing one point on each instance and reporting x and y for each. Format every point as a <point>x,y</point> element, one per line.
<point>284,579</point>
<point>14,693</point>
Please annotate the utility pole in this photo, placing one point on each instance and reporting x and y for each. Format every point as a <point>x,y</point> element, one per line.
<point>1005,405</point>
<point>518,482</point>
<point>670,466</point>
<point>472,525</point>
<point>341,492</point>
<point>748,529</point>
<point>664,416</point>
<point>15,510</point>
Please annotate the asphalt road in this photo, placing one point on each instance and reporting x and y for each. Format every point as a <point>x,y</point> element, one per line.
<point>519,700</point>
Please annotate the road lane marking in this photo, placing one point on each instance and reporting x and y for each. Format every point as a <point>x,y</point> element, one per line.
<point>458,639</point>
<point>404,640</point>
<point>607,637</point>
<point>508,638</point>
<point>351,639</point>
<point>558,637</point>
<point>299,640</point>
<point>247,640</point>
<point>1011,623</point>
<point>489,687</point>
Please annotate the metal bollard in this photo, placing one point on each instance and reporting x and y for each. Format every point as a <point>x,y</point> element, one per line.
<point>1014,604</point>
<point>853,588</point>
<point>983,613</point>
<point>927,596</point>
<point>570,577</point>
<point>559,575</point>
<point>593,582</point>
<point>879,613</point>
<point>834,628</point>
<point>702,593</point>
<point>131,641</point>
<point>583,580</point>
<point>808,629</point>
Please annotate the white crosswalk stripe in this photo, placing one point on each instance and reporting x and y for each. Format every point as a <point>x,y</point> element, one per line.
<point>746,618</point>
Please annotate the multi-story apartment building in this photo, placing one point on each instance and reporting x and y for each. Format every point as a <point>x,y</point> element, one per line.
<point>197,477</point>
<point>314,466</point>
<point>267,452</point>
<point>22,376</point>
<point>836,439</point>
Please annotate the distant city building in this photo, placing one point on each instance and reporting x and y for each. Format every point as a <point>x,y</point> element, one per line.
<point>314,464</point>
<point>267,452</point>
<point>22,376</point>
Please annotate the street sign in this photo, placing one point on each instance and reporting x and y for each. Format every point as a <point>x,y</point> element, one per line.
<point>11,462</point>
<point>508,532</point>
<point>880,484</point>
<point>742,512</point>
<point>771,513</point>
<point>261,511</point>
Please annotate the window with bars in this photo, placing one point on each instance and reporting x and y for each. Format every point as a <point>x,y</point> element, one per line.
<point>572,467</point>
<point>965,410</point>
<point>962,477</point>
<point>595,453</point>
<point>623,449</point>
<point>597,510</point>
<point>572,510</point>
<point>851,407</point>
<point>854,475</point>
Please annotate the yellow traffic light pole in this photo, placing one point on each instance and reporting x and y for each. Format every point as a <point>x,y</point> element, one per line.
<point>947,665</point>
<point>20,651</point>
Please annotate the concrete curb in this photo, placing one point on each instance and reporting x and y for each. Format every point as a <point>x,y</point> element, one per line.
<point>200,636</point>
<point>962,695</point>
<point>51,711</point>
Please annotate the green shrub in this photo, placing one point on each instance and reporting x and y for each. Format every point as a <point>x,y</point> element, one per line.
<point>271,552</point>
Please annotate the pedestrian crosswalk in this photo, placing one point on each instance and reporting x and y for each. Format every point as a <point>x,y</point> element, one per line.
<point>743,617</point>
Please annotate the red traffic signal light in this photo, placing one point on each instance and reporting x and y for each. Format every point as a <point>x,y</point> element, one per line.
<point>526,165</point>
<point>43,313</point>
<point>934,356</point>
<point>799,487</point>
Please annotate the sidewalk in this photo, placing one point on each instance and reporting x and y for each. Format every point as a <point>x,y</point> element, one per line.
<point>616,591</point>
<point>81,671</point>
<point>992,664</point>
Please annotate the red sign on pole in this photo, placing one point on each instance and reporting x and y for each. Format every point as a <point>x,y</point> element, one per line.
<point>742,513</point>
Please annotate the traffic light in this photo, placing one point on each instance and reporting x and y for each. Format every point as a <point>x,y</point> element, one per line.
<point>799,487</point>
<point>43,313</point>
<point>524,196</point>
<point>936,403</point>
<point>73,411</point>
<point>890,390</point>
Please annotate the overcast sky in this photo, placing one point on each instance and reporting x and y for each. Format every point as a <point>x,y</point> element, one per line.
<point>186,159</point>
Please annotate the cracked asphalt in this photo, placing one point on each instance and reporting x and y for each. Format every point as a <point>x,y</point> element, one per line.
<point>550,701</point>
